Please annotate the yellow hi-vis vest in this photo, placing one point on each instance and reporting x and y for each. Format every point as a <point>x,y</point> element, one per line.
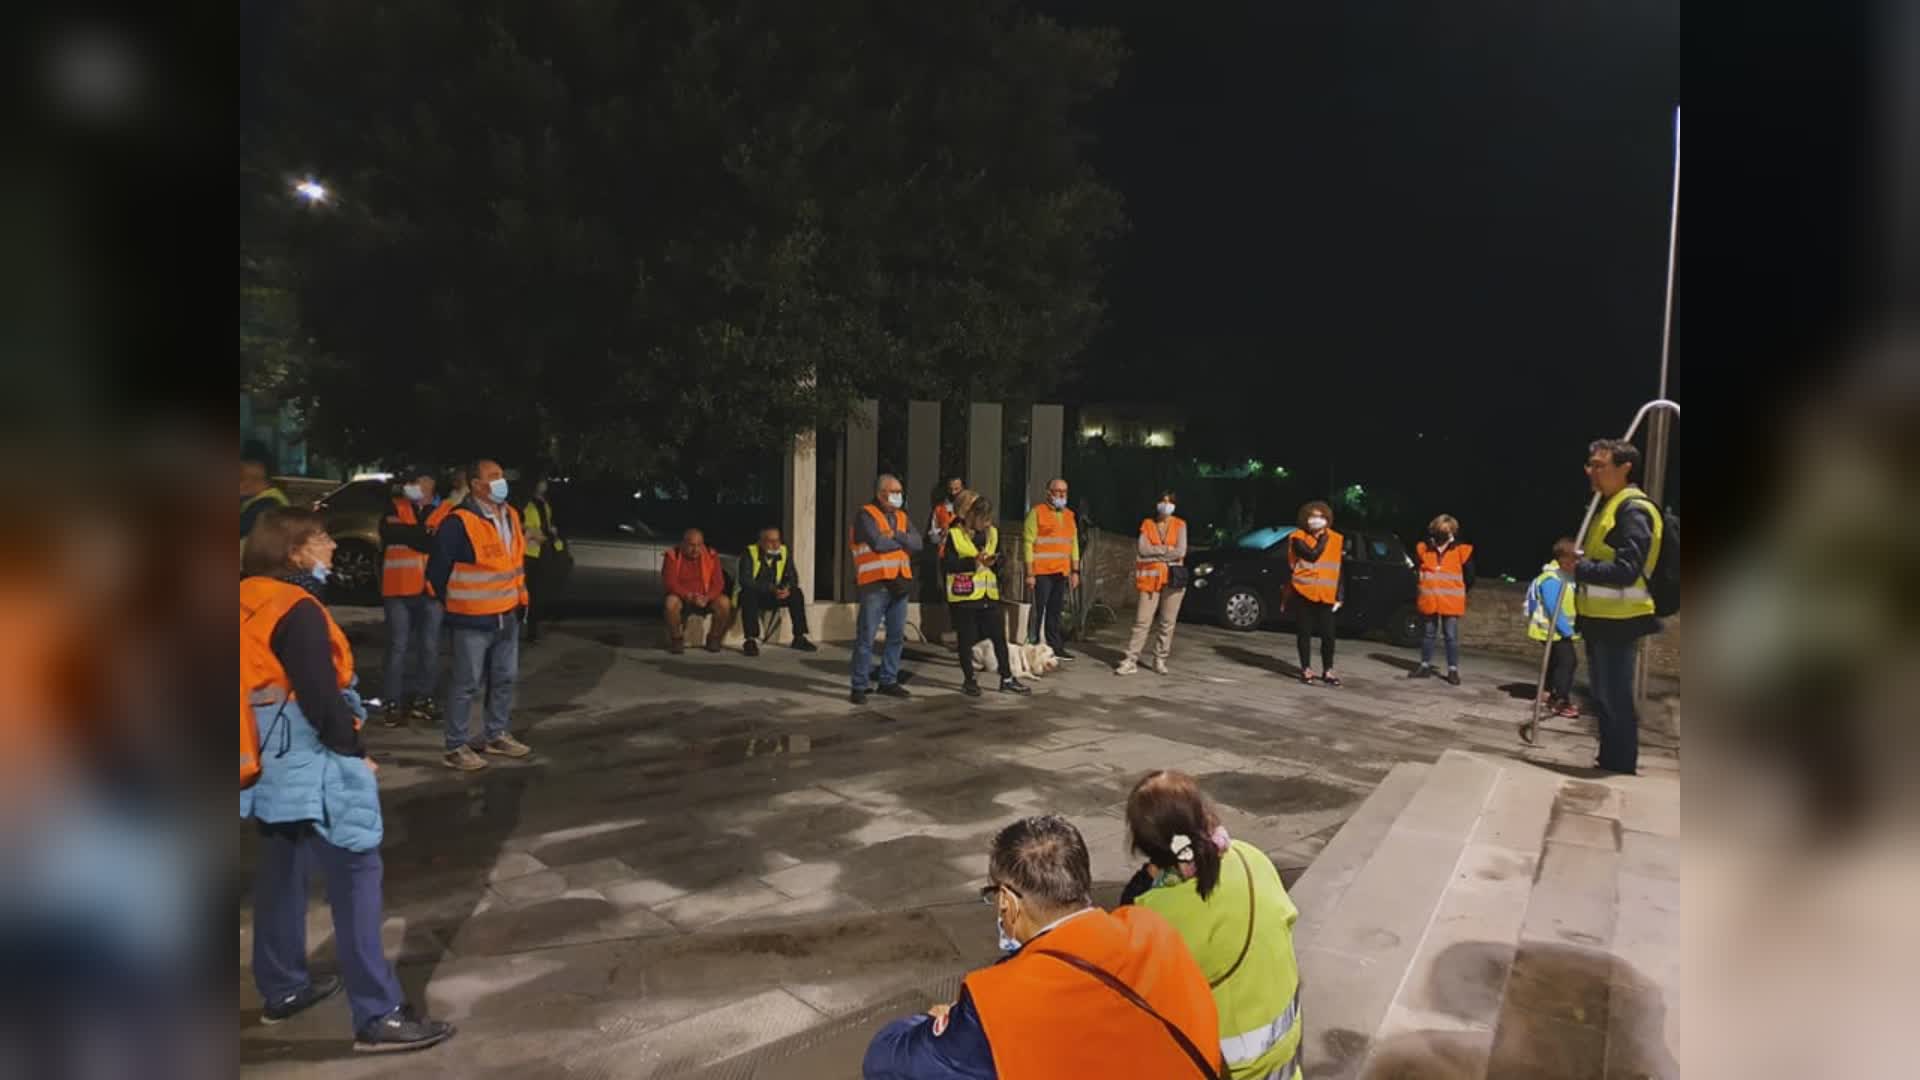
<point>779,570</point>
<point>1259,1003</point>
<point>1612,602</point>
<point>1540,621</point>
<point>978,583</point>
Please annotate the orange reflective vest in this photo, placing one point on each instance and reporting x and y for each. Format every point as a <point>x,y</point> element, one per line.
<point>403,570</point>
<point>496,581</point>
<point>1152,576</point>
<point>264,602</point>
<point>1053,541</point>
<point>1046,1019</point>
<point>1443,581</point>
<point>440,512</point>
<point>870,566</point>
<point>1317,581</point>
<point>942,516</point>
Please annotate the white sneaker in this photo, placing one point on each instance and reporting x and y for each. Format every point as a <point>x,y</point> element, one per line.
<point>1126,667</point>
<point>1159,666</point>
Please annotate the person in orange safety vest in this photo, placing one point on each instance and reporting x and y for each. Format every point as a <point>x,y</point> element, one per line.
<point>413,615</point>
<point>478,570</point>
<point>1080,991</point>
<point>1318,589</point>
<point>1446,573</point>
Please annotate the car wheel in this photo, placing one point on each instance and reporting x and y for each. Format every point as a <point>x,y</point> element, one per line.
<point>1406,627</point>
<point>356,573</point>
<point>1242,609</point>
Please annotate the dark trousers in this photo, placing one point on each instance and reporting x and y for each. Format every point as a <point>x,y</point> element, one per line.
<point>1562,659</point>
<point>1313,620</point>
<point>977,622</point>
<point>288,854</point>
<point>1049,600</point>
<point>1610,672</point>
<point>754,601</point>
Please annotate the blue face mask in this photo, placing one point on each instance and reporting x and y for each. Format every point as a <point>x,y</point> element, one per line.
<point>321,572</point>
<point>497,489</point>
<point>1008,944</point>
<point>1058,502</point>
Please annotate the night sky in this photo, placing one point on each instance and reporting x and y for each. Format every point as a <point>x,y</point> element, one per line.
<point>1417,245</point>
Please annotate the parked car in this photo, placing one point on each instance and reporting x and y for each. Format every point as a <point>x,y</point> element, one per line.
<point>353,511</point>
<point>1241,584</point>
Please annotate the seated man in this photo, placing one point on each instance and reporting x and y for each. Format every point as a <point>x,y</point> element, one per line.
<point>768,580</point>
<point>1083,992</point>
<point>695,586</point>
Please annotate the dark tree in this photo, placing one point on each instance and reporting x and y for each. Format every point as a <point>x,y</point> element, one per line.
<point>652,237</point>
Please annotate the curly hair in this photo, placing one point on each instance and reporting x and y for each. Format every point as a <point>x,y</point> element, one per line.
<point>1307,511</point>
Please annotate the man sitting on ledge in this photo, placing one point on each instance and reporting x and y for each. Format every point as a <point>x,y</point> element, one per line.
<point>1082,992</point>
<point>695,586</point>
<point>769,580</point>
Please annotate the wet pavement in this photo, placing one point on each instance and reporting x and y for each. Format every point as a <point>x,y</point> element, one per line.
<point>707,853</point>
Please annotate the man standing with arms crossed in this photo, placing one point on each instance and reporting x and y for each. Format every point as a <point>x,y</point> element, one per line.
<point>883,544</point>
<point>479,569</point>
<point>1053,565</point>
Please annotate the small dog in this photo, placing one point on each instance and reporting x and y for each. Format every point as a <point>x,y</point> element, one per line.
<point>1027,661</point>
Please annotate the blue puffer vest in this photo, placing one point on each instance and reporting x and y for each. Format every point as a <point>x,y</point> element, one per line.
<point>301,780</point>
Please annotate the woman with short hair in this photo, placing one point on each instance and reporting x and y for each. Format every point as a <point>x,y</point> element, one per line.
<point>307,782</point>
<point>1317,589</point>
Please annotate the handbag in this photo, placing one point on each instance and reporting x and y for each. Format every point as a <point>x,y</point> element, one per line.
<point>1177,576</point>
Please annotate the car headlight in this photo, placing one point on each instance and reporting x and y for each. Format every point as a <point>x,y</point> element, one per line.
<point>1203,569</point>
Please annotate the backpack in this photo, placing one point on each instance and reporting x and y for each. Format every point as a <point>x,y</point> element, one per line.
<point>1664,583</point>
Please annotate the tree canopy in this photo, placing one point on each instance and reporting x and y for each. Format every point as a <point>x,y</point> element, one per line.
<point>642,237</point>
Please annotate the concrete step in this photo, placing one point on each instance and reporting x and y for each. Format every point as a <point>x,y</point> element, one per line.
<point>1327,878</point>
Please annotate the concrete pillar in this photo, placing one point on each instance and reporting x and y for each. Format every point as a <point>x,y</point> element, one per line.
<point>985,450</point>
<point>1045,448</point>
<point>859,465</point>
<point>799,507</point>
<point>923,457</point>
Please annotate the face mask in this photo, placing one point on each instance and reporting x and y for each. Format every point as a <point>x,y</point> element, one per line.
<point>321,572</point>
<point>1008,943</point>
<point>949,506</point>
<point>1058,502</point>
<point>896,500</point>
<point>413,493</point>
<point>1165,508</point>
<point>497,489</point>
<point>1316,523</point>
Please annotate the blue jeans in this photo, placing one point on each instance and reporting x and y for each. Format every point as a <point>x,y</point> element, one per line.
<point>1043,619</point>
<point>412,619</point>
<point>877,604</point>
<point>1610,672</point>
<point>489,658</point>
<point>1447,626</point>
<point>288,853</point>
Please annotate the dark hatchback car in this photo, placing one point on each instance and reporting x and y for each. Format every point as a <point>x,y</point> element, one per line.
<point>1240,585</point>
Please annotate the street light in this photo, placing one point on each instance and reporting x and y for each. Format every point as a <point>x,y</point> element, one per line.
<point>312,191</point>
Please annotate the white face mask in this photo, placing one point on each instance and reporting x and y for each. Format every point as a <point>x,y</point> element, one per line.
<point>413,493</point>
<point>1059,502</point>
<point>320,571</point>
<point>1165,508</point>
<point>1316,523</point>
<point>896,500</point>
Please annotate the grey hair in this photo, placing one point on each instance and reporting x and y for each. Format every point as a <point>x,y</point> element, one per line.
<point>880,482</point>
<point>1045,860</point>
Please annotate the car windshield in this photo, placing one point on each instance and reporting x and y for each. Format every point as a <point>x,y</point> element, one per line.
<point>1264,538</point>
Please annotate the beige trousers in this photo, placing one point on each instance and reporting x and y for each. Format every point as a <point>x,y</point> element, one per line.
<point>1157,613</point>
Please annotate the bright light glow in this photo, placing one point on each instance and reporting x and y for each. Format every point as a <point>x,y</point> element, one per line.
<point>311,190</point>
<point>1157,438</point>
<point>1092,432</point>
<point>1253,465</point>
<point>1280,470</point>
<point>373,476</point>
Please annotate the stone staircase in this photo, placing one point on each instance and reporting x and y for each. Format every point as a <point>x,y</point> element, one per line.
<point>1488,918</point>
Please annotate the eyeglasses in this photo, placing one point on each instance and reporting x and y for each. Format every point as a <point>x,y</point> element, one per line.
<point>991,891</point>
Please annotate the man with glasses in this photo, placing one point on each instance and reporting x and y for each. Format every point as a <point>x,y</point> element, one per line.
<point>1080,991</point>
<point>1613,602</point>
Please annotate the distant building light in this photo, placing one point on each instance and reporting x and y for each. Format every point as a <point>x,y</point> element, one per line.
<point>1092,432</point>
<point>1158,438</point>
<point>1280,471</point>
<point>373,476</point>
<point>311,190</point>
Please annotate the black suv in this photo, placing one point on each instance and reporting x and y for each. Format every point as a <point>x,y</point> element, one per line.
<point>1240,585</point>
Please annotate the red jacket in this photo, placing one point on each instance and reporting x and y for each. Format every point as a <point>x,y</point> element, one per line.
<point>684,577</point>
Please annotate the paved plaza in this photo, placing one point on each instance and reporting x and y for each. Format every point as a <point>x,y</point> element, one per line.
<point>708,854</point>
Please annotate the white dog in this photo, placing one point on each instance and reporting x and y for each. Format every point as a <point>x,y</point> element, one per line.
<point>1027,661</point>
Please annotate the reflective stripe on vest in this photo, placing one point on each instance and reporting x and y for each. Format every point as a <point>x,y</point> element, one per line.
<point>1249,1045</point>
<point>495,582</point>
<point>1052,541</point>
<point>403,570</point>
<point>1540,622</point>
<point>870,566</point>
<point>1317,581</point>
<point>1443,582</point>
<point>1611,601</point>
<point>980,582</point>
<point>1152,576</point>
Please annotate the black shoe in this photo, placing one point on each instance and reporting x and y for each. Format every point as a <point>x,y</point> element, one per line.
<point>426,709</point>
<point>289,1005</point>
<point>858,697</point>
<point>970,688</point>
<point>804,645</point>
<point>1421,672</point>
<point>393,715</point>
<point>751,648</point>
<point>894,690</point>
<point>1011,685</point>
<point>1453,678</point>
<point>1065,655</point>
<point>401,1030</point>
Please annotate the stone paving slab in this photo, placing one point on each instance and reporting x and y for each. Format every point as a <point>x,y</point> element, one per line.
<point>681,817</point>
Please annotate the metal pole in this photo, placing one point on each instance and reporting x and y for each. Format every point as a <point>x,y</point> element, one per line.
<point>1659,426</point>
